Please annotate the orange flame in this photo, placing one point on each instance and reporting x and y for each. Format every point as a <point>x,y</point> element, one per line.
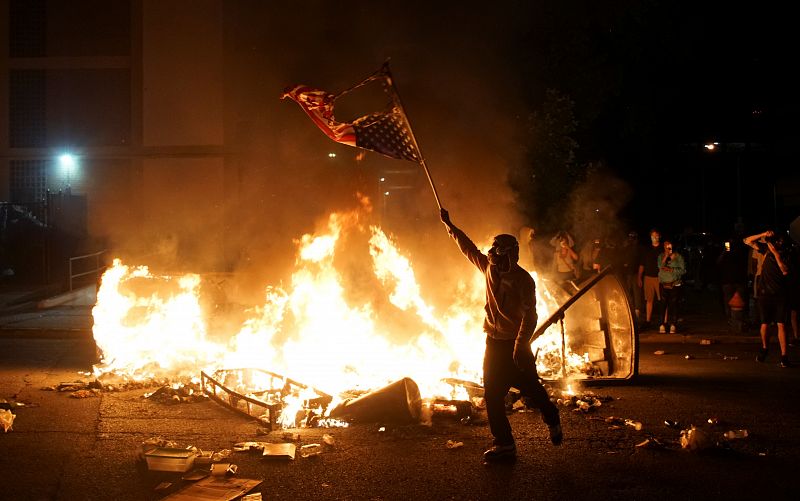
<point>154,326</point>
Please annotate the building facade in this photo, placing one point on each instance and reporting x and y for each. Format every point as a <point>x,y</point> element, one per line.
<point>119,104</point>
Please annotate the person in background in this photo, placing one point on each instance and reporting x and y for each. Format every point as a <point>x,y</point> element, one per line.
<point>772,287</point>
<point>588,256</point>
<point>671,268</point>
<point>608,256</point>
<point>648,275</point>
<point>794,293</point>
<point>629,262</point>
<point>532,248</point>
<point>509,325</point>
<point>565,261</point>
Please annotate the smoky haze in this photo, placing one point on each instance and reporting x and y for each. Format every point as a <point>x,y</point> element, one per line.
<point>454,73</point>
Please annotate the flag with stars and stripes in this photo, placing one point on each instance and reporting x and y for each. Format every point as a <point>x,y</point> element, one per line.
<point>386,132</point>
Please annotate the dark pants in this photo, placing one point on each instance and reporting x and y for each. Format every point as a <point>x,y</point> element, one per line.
<point>669,299</point>
<point>499,375</point>
<point>635,295</point>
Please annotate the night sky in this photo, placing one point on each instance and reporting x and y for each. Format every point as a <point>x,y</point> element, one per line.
<point>580,115</point>
<point>650,83</point>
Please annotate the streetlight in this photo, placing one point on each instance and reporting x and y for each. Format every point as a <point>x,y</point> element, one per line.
<point>68,164</point>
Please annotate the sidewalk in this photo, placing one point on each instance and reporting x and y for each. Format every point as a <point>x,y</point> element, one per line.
<point>701,316</point>
<point>36,312</point>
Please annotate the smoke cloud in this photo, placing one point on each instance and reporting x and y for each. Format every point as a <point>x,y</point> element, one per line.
<point>459,88</point>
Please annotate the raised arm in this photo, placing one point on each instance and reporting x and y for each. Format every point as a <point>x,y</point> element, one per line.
<point>467,247</point>
<point>751,240</point>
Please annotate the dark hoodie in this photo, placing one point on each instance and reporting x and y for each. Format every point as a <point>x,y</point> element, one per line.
<point>510,296</point>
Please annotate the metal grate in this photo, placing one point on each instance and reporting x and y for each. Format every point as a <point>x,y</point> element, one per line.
<point>28,180</point>
<point>27,28</point>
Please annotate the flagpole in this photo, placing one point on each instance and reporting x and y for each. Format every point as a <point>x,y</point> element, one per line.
<point>396,97</point>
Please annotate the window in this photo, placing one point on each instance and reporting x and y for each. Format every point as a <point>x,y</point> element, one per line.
<point>28,180</point>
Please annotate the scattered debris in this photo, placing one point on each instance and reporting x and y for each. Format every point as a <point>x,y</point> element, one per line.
<point>397,402</point>
<point>204,457</point>
<point>222,488</point>
<point>452,444</point>
<point>163,486</point>
<point>651,443</point>
<point>252,497</point>
<point>636,425</point>
<point>261,394</point>
<point>695,439</point>
<point>290,437</point>
<point>85,393</point>
<point>707,342</point>
<point>15,404</point>
<point>583,403</point>
<point>170,459</point>
<point>672,424</point>
<point>310,450</point>
<point>689,357</point>
<point>154,442</point>
<point>280,451</point>
<point>713,421</point>
<point>728,357</point>
<point>224,469</point>
<point>659,352</point>
<point>177,393</point>
<point>328,439</point>
<point>6,419</point>
<point>248,446</point>
<point>736,434</point>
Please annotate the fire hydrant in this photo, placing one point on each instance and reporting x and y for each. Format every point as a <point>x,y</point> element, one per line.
<point>736,305</point>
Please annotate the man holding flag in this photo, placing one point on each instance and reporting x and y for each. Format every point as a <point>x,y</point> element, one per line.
<point>510,290</point>
<point>509,326</point>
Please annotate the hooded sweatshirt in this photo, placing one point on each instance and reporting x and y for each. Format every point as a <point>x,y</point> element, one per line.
<point>510,296</point>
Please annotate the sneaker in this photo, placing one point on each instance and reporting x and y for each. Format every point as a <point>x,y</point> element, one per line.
<point>784,362</point>
<point>662,329</point>
<point>672,329</point>
<point>500,453</point>
<point>556,435</point>
<point>762,355</point>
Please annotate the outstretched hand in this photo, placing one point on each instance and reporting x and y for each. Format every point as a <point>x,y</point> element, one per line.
<point>445,217</point>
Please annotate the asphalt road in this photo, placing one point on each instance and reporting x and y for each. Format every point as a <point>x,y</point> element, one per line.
<point>86,449</point>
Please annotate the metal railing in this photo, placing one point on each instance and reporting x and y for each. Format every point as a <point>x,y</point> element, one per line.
<point>99,266</point>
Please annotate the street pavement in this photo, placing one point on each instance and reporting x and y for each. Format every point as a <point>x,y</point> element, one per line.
<point>88,448</point>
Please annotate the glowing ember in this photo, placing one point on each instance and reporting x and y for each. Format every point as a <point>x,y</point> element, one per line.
<point>313,331</point>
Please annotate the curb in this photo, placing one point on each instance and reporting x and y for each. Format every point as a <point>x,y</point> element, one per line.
<point>697,338</point>
<point>37,333</point>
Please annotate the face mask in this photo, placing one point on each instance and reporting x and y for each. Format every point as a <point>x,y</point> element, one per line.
<point>496,259</point>
<point>654,240</point>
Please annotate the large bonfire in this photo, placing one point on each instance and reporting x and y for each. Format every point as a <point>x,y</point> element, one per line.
<point>158,326</point>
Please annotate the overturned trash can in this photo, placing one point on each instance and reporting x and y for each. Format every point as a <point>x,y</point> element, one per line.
<point>399,402</point>
<point>591,336</point>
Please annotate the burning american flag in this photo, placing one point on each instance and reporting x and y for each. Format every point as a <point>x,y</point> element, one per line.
<point>386,132</point>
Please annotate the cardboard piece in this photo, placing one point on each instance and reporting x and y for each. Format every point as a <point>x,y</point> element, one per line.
<point>283,451</point>
<point>215,489</point>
